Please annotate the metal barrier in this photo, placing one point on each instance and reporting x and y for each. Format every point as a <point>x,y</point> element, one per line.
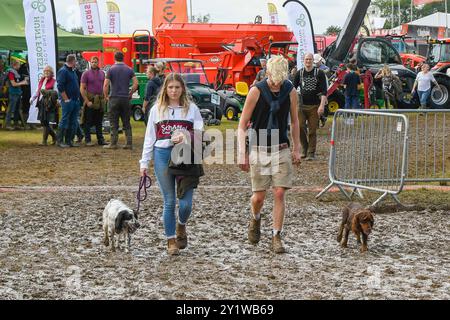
<point>428,145</point>
<point>368,151</point>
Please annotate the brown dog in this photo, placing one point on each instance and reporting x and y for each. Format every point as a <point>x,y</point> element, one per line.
<point>358,219</point>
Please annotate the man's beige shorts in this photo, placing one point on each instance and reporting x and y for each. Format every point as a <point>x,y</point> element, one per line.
<point>270,168</point>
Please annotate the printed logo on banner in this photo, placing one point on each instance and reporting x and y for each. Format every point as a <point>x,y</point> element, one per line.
<point>301,21</point>
<point>39,5</point>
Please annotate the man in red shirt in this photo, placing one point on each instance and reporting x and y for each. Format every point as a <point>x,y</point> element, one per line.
<point>91,90</point>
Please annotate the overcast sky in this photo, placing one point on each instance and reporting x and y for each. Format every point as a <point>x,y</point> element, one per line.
<point>137,14</point>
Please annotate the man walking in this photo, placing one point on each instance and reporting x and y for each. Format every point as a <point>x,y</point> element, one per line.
<point>268,157</point>
<point>69,92</point>
<point>91,90</point>
<point>118,79</point>
<point>313,88</point>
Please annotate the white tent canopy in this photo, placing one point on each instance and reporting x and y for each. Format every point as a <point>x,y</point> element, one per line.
<point>434,20</point>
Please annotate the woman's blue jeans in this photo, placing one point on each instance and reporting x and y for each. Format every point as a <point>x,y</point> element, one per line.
<point>423,96</point>
<point>167,184</point>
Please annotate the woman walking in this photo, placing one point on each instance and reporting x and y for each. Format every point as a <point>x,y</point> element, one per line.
<point>423,85</point>
<point>47,97</point>
<point>172,121</point>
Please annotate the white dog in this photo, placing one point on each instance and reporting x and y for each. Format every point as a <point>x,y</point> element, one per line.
<point>119,219</point>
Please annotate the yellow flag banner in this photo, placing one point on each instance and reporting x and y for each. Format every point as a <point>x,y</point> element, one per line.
<point>113,17</point>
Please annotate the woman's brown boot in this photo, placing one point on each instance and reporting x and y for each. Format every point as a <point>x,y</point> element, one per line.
<point>172,248</point>
<point>181,236</point>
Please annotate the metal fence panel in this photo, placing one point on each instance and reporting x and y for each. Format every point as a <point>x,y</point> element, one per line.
<point>428,145</point>
<point>368,151</point>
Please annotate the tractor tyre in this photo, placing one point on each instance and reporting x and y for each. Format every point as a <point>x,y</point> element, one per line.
<point>441,99</point>
<point>231,113</point>
<point>336,101</point>
<point>138,113</point>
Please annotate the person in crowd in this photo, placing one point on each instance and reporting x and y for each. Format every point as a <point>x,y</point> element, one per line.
<point>152,90</point>
<point>392,86</point>
<point>351,82</point>
<point>261,73</point>
<point>313,91</point>
<point>118,80</point>
<point>173,109</point>
<point>423,85</point>
<point>69,93</point>
<point>80,119</point>
<point>24,72</point>
<point>267,154</point>
<point>3,79</point>
<point>319,63</point>
<point>15,94</point>
<point>161,69</point>
<point>91,90</point>
<point>46,96</point>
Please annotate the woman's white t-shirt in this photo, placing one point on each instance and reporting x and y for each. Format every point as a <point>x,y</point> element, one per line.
<point>159,130</point>
<point>424,81</point>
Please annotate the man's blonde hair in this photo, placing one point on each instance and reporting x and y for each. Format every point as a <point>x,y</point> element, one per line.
<point>277,69</point>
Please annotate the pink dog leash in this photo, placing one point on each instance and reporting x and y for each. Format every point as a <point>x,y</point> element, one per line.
<point>145,183</point>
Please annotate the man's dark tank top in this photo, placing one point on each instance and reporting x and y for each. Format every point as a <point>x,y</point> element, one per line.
<point>260,119</point>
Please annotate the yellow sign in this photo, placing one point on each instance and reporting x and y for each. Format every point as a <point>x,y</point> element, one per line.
<point>112,7</point>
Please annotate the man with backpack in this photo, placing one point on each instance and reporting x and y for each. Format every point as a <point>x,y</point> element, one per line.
<point>313,97</point>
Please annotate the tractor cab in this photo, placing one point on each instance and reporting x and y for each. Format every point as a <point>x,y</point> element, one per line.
<point>439,54</point>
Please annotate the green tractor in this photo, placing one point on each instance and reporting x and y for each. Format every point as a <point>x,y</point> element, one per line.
<point>137,100</point>
<point>201,91</point>
<point>232,101</point>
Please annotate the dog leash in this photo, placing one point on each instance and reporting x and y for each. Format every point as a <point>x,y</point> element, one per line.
<point>145,182</point>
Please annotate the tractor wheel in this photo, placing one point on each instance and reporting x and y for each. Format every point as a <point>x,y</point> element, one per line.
<point>336,101</point>
<point>440,99</point>
<point>138,113</point>
<point>218,114</point>
<point>231,113</point>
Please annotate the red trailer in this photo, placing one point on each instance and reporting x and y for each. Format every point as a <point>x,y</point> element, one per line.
<point>230,52</point>
<point>140,46</point>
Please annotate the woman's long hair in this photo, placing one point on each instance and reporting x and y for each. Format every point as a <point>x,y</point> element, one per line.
<point>386,71</point>
<point>163,98</point>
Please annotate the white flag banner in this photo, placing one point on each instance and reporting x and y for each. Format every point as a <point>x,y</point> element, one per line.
<point>113,17</point>
<point>273,13</point>
<point>40,33</point>
<point>299,20</point>
<point>90,17</point>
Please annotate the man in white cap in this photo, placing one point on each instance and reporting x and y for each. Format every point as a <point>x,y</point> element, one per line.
<point>319,62</point>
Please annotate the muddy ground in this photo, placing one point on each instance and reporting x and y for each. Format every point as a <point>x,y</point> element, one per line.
<point>51,239</point>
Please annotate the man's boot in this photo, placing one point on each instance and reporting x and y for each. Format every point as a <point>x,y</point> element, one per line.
<point>44,137</point>
<point>129,136</point>
<point>114,139</point>
<point>172,248</point>
<point>53,135</point>
<point>254,231</point>
<point>277,244</point>
<point>181,236</point>
<point>61,135</point>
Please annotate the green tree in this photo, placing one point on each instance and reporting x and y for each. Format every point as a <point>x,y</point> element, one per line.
<point>333,30</point>
<point>405,10</point>
<point>78,30</point>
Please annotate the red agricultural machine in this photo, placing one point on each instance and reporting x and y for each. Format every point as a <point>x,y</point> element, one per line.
<point>139,46</point>
<point>230,52</point>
